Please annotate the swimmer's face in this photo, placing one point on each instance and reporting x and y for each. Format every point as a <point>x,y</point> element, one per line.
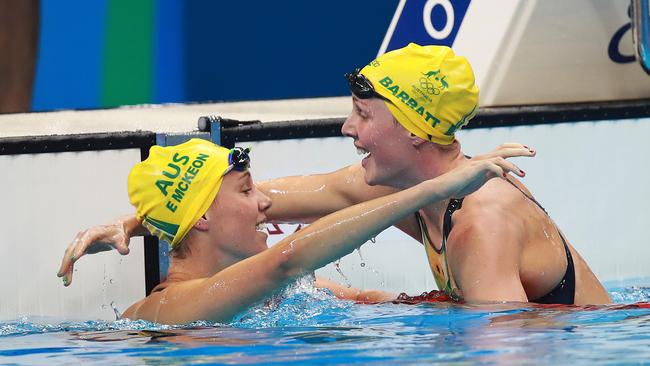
<point>235,213</point>
<point>385,142</point>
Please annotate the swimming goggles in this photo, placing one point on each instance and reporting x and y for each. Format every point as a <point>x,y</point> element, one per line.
<point>238,159</point>
<point>361,86</point>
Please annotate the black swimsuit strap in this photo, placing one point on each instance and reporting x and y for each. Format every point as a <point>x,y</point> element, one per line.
<point>454,204</point>
<point>564,292</point>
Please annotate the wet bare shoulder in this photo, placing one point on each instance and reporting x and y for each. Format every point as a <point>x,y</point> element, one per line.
<point>146,308</point>
<point>497,194</point>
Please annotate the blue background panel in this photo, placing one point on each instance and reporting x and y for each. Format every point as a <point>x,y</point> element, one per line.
<point>272,49</point>
<point>70,53</point>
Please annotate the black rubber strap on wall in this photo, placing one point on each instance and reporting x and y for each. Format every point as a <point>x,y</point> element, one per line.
<point>485,118</point>
<point>80,142</point>
<point>560,113</point>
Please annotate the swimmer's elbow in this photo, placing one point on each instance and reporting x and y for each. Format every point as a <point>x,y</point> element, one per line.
<point>287,264</point>
<point>281,263</point>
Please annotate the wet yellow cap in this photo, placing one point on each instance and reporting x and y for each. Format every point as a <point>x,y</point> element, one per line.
<point>432,90</point>
<point>176,185</point>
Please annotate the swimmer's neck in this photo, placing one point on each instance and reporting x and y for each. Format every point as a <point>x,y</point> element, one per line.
<point>203,259</point>
<point>431,161</point>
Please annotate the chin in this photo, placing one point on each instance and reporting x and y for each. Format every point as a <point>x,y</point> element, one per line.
<point>261,240</point>
<point>373,179</point>
<point>370,181</point>
<point>369,177</point>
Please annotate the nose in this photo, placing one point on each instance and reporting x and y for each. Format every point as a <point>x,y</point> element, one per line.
<point>264,202</point>
<point>349,127</point>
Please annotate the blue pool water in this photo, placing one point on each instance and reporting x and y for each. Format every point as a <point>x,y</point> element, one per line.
<point>311,327</point>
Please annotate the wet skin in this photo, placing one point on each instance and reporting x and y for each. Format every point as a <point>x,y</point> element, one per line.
<point>502,248</point>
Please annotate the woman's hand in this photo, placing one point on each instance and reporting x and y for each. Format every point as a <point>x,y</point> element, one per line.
<point>94,240</point>
<point>469,177</point>
<point>507,150</point>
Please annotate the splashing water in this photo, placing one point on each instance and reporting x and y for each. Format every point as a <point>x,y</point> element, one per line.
<point>337,266</point>
<point>362,264</point>
<point>300,303</point>
<point>118,315</point>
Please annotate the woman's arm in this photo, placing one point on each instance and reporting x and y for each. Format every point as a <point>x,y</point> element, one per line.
<point>222,296</point>
<point>116,235</point>
<point>295,199</point>
<point>354,294</point>
<point>306,198</point>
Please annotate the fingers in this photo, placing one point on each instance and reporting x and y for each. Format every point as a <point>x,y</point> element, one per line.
<point>122,248</point>
<point>513,152</point>
<point>69,256</point>
<point>506,166</point>
<point>94,240</point>
<point>121,240</point>
<point>508,150</point>
<point>511,145</point>
<point>67,266</point>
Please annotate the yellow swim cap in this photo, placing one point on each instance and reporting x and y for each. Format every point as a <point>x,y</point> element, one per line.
<point>432,90</point>
<point>175,185</point>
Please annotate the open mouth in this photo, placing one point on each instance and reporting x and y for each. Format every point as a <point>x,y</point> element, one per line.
<point>362,152</point>
<point>261,226</point>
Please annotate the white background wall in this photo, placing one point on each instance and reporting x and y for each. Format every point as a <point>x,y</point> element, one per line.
<point>46,200</point>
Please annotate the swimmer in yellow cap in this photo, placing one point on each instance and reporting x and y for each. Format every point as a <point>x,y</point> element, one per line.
<point>200,197</point>
<point>497,244</point>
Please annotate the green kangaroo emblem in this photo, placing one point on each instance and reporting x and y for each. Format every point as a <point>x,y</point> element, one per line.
<point>444,83</point>
<point>431,73</point>
<point>435,86</point>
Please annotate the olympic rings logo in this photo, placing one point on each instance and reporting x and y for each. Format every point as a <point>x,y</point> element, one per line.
<point>430,87</point>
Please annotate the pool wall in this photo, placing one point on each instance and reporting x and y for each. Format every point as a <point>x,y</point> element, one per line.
<point>591,174</point>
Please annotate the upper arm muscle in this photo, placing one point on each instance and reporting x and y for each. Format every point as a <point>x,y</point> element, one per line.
<point>483,253</point>
<point>307,198</point>
<point>216,298</point>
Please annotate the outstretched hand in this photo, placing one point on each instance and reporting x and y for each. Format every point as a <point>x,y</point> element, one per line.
<point>469,177</point>
<point>507,150</point>
<point>94,240</point>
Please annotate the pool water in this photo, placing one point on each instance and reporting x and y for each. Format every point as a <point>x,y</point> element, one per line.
<point>308,326</point>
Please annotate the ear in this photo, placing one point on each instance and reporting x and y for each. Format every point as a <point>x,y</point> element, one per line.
<point>417,141</point>
<point>202,224</point>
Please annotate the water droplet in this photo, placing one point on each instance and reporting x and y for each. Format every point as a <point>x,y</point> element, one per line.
<point>117,312</point>
<point>363,263</point>
<point>110,281</point>
<point>337,266</point>
<point>373,239</point>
